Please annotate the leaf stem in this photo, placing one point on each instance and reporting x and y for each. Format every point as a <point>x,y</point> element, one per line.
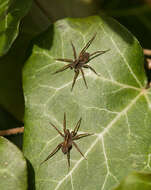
<point>13,131</point>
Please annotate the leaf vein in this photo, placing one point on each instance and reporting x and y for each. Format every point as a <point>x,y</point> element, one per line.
<point>125,61</point>
<point>99,137</point>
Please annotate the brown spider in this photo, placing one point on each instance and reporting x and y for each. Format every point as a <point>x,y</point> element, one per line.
<point>69,138</point>
<point>81,61</point>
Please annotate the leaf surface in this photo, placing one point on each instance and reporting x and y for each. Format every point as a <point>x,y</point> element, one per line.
<point>13,171</point>
<point>57,9</point>
<point>136,14</point>
<point>116,107</point>
<point>136,181</point>
<point>11,12</point>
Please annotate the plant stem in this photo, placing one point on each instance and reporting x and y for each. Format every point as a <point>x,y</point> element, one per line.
<point>147,52</point>
<point>13,131</point>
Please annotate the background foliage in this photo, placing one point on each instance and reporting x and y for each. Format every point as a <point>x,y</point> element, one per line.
<point>22,23</point>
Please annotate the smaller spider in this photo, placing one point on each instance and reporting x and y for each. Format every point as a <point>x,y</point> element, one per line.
<point>81,61</point>
<point>69,138</point>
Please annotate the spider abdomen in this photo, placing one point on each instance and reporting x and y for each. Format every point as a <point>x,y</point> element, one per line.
<point>66,149</point>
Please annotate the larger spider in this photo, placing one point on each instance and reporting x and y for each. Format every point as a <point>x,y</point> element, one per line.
<point>69,138</point>
<point>80,62</point>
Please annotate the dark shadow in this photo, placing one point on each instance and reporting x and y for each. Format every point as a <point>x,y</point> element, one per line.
<point>147,71</point>
<point>31,176</point>
<point>134,24</point>
<point>45,39</point>
<point>8,121</point>
<point>118,28</point>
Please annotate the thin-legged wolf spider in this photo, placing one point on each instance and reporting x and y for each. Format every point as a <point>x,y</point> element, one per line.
<point>80,62</point>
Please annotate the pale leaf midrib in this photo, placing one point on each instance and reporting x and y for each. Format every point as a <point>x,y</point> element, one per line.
<point>100,136</point>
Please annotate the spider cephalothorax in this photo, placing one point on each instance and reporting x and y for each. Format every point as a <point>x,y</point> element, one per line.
<point>69,138</point>
<point>80,62</point>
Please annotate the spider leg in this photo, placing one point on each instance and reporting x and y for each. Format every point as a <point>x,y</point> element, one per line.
<point>52,153</point>
<point>81,136</point>
<point>88,66</point>
<point>77,127</point>
<point>64,123</point>
<point>88,44</point>
<point>57,129</point>
<point>97,53</point>
<point>76,146</point>
<point>65,60</point>
<point>63,68</point>
<point>74,51</point>
<point>75,78</point>
<point>68,158</point>
<point>84,77</point>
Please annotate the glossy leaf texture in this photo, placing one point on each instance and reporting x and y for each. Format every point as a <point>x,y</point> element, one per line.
<point>136,181</point>
<point>13,170</point>
<point>116,106</point>
<point>11,13</point>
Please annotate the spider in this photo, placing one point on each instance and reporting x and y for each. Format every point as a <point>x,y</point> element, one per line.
<point>80,62</point>
<point>69,138</point>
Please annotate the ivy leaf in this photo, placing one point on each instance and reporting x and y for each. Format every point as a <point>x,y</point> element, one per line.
<point>13,171</point>
<point>57,9</point>
<point>11,14</point>
<point>136,14</point>
<point>116,107</point>
<point>136,181</point>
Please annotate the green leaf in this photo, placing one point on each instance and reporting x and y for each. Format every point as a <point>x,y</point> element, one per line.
<point>116,107</point>
<point>11,77</point>
<point>11,67</point>
<point>57,9</point>
<point>136,181</point>
<point>11,14</point>
<point>13,171</point>
<point>138,16</point>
